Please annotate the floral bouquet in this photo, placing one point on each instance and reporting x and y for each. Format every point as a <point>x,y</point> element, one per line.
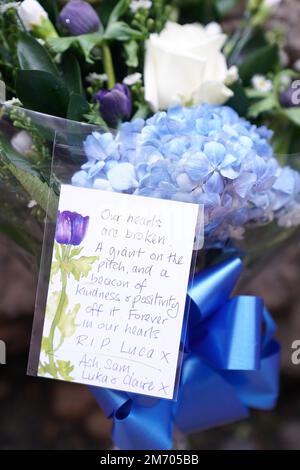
<point>152,98</point>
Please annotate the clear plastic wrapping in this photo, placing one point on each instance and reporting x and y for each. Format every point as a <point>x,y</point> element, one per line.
<point>65,144</point>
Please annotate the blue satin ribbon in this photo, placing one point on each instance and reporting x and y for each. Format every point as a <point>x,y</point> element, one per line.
<point>230,363</point>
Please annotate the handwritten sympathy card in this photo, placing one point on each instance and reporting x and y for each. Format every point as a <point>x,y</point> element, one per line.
<point>117,291</point>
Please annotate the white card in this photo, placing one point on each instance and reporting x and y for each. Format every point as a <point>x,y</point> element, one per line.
<point>117,291</point>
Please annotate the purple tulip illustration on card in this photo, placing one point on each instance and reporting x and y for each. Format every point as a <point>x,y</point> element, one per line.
<point>70,232</point>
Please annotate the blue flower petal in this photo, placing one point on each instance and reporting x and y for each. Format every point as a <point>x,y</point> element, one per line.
<point>197,166</point>
<point>122,177</point>
<point>80,178</point>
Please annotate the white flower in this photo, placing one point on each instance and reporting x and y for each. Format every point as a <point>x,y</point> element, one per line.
<point>184,65</point>
<point>31,204</point>
<point>95,77</point>
<point>136,5</point>
<point>22,142</point>
<point>36,19</point>
<point>132,79</point>
<point>9,5</point>
<point>261,83</point>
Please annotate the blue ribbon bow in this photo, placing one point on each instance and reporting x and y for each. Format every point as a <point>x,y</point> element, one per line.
<point>228,366</point>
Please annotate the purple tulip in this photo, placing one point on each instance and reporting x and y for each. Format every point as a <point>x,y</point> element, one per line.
<point>79,17</point>
<point>115,104</point>
<point>70,228</point>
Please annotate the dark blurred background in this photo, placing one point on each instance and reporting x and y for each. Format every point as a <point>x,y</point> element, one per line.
<point>45,414</point>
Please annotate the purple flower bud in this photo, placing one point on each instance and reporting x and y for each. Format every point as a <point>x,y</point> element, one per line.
<point>79,17</point>
<point>115,104</point>
<point>289,98</point>
<point>70,228</point>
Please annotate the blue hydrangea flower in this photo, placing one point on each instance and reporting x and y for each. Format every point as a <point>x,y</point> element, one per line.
<point>203,154</point>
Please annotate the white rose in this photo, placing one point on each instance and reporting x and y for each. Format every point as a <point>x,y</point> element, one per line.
<point>36,19</point>
<point>185,65</point>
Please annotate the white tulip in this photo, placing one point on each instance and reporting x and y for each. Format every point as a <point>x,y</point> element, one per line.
<point>31,13</point>
<point>36,19</point>
<point>184,65</point>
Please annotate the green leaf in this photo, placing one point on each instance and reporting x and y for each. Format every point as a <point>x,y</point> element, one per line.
<point>33,56</point>
<point>52,304</point>
<point>262,61</point>
<point>43,92</point>
<point>71,72</point>
<point>202,11</point>
<point>30,181</point>
<point>82,266</point>
<point>295,146</point>
<point>281,144</point>
<point>55,268</point>
<point>131,50</point>
<point>64,368</point>
<point>262,106</point>
<point>66,324</point>
<point>37,190</point>
<point>252,93</point>
<point>57,251</point>
<point>245,41</point>
<point>142,112</point>
<point>93,116</point>
<point>120,31</point>
<point>76,251</point>
<point>119,10</point>
<point>85,43</point>
<point>293,114</point>
<point>45,346</point>
<point>60,45</point>
<point>45,369</point>
<point>78,107</point>
<point>239,101</point>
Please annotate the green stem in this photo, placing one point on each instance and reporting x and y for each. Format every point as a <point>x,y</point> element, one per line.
<point>108,65</point>
<point>58,313</point>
